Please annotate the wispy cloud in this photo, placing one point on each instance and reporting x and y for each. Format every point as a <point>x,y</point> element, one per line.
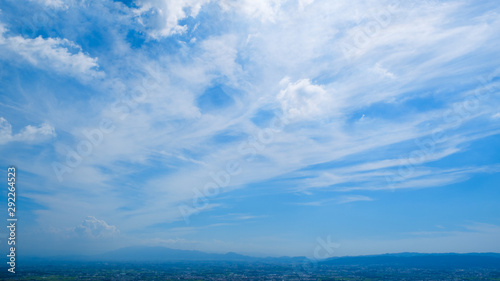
<point>330,101</point>
<point>339,99</point>
<point>237,217</point>
<point>354,198</point>
<point>60,55</point>
<point>27,134</point>
<point>337,200</point>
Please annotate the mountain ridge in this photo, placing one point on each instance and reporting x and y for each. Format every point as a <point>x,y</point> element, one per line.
<point>164,254</point>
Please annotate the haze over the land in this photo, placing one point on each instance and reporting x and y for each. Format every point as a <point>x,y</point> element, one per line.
<point>267,128</point>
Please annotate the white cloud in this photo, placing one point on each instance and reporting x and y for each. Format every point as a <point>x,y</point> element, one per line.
<point>60,55</point>
<point>5,131</point>
<point>311,203</point>
<point>340,200</point>
<point>304,100</point>
<point>496,116</point>
<point>27,134</point>
<point>220,54</point>
<point>31,133</point>
<point>59,4</point>
<point>264,10</point>
<point>353,198</point>
<point>384,73</point>
<point>304,3</point>
<point>237,217</point>
<point>170,13</point>
<point>92,227</point>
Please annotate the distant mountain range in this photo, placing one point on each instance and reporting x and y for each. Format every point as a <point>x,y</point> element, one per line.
<point>167,254</point>
<point>162,254</point>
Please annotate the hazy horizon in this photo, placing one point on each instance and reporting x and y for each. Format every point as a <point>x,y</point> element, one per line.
<point>97,256</point>
<point>265,128</point>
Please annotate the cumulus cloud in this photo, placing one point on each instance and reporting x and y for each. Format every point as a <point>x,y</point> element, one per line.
<point>92,227</point>
<point>27,134</point>
<point>170,13</point>
<point>60,55</point>
<point>304,100</point>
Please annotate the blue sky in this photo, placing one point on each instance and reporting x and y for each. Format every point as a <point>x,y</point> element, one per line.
<point>258,127</point>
